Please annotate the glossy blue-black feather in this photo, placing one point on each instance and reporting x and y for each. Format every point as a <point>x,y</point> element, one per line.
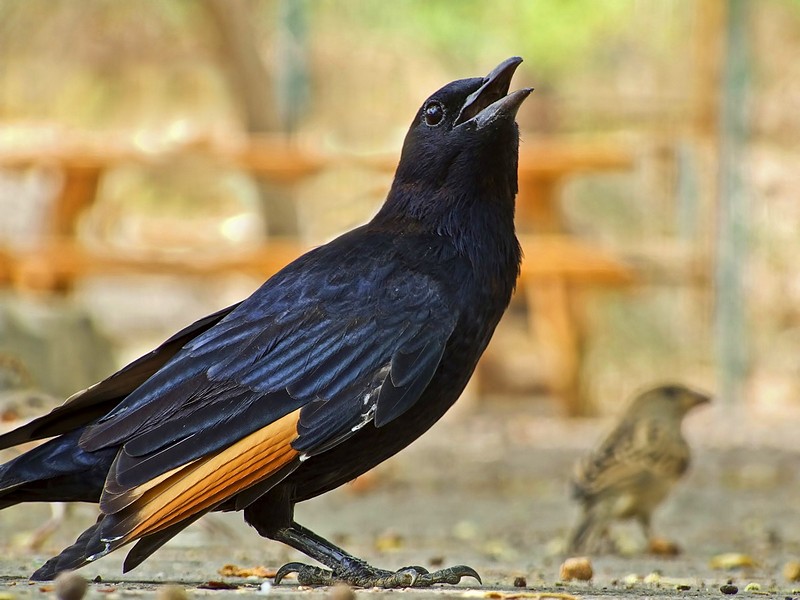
<point>348,333</point>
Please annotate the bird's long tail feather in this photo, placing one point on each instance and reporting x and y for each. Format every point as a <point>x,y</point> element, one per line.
<point>87,544</point>
<point>55,471</point>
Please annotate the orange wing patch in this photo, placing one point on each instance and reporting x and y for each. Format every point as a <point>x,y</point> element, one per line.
<point>201,484</point>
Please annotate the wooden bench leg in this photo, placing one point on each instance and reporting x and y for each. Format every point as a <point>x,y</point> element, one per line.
<point>77,194</point>
<point>553,323</point>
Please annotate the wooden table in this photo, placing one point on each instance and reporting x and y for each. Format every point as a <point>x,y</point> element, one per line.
<point>554,316</point>
<point>555,262</point>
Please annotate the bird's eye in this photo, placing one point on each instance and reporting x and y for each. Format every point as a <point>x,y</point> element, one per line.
<point>434,113</point>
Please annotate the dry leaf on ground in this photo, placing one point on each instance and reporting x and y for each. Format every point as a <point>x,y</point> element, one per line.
<point>236,571</point>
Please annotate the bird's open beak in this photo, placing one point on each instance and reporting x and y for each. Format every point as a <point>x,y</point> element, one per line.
<point>492,99</point>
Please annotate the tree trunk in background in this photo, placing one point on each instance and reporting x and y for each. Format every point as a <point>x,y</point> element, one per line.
<point>247,76</point>
<point>251,85</point>
<point>732,351</point>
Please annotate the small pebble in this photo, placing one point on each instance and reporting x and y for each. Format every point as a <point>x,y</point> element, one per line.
<point>682,587</point>
<point>752,587</point>
<point>265,588</point>
<point>171,592</point>
<point>728,589</point>
<point>70,586</point>
<point>341,591</point>
<point>520,582</point>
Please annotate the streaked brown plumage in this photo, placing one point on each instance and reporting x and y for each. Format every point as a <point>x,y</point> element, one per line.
<point>634,468</point>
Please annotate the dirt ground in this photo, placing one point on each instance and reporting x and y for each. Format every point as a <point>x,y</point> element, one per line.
<point>489,489</point>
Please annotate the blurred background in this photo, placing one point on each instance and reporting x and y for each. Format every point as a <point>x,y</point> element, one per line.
<point>159,159</point>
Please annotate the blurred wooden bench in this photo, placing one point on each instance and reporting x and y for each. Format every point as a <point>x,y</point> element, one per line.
<point>53,265</point>
<point>555,262</point>
<point>551,299</point>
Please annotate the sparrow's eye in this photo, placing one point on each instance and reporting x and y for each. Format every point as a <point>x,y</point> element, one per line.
<point>433,113</point>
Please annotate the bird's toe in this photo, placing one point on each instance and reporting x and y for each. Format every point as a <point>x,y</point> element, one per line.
<point>306,574</point>
<point>451,575</point>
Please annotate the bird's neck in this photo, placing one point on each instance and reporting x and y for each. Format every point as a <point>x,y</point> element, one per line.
<point>475,214</point>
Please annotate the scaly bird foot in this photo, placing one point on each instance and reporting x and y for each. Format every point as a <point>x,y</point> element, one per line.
<point>365,576</point>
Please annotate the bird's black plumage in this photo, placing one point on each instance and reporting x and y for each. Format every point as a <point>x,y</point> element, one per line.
<point>334,364</point>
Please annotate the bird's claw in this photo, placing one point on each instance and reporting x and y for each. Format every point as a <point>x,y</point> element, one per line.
<point>288,569</point>
<point>365,576</point>
<point>451,575</point>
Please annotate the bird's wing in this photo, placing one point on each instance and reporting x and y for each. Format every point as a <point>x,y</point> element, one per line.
<point>295,369</point>
<point>87,405</point>
<point>634,450</point>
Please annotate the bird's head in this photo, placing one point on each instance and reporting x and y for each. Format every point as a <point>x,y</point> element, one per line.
<point>670,399</point>
<point>463,143</point>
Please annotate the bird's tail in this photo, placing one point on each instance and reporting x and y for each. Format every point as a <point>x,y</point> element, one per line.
<point>75,556</point>
<point>55,471</point>
<point>60,471</point>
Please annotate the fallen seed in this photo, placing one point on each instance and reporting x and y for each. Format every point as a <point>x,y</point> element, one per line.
<point>579,567</point>
<point>791,571</point>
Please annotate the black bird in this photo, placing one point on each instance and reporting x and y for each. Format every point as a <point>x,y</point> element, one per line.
<point>333,365</point>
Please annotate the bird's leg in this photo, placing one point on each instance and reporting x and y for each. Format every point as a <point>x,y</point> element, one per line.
<point>346,568</point>
<point>644,523</point>
<point>657,545</point>
<point>58,514</point>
